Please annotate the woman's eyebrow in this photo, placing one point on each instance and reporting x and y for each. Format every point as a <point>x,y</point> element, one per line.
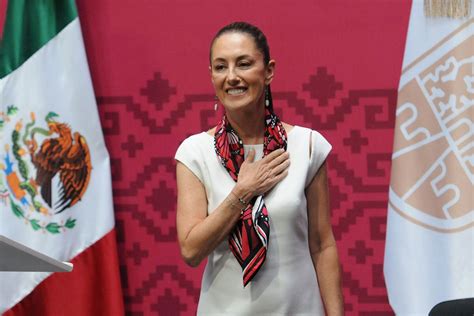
<point>244,57</point>
<point>219,59</point>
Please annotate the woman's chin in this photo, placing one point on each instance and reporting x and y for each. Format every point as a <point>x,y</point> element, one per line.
<point>243,104</point>
<point>237,105</point>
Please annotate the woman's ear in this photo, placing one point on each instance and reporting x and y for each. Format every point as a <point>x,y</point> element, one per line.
<point>210,74</point>
<point>269,72</point>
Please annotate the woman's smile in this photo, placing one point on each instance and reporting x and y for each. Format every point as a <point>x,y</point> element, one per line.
<point>236,91</point>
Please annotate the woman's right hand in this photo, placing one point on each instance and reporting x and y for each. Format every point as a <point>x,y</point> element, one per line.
<point>258,177</point>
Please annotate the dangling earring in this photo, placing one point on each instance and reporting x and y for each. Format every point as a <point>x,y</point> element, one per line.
<point>215,103</point>
<point>267,99</point>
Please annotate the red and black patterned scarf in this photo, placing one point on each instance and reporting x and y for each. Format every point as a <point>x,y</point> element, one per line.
<point>249,238</point>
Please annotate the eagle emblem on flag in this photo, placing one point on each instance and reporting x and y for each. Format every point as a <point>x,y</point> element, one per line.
<point>44,171</point>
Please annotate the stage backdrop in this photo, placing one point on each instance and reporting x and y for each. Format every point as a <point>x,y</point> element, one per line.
<point>338,66</point>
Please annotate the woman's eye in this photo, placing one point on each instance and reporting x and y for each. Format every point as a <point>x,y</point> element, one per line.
<point>219,67</point>
<point>244,64</point>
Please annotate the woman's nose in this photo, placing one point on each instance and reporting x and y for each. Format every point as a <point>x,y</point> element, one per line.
<point>232,75</point>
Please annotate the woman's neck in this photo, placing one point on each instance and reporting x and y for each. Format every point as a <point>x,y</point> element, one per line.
<point>249,125</point>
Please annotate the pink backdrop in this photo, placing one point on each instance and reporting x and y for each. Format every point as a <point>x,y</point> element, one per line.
<point>338,65</point>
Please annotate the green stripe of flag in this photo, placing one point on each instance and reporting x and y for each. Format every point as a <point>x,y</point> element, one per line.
<point>30,24</point>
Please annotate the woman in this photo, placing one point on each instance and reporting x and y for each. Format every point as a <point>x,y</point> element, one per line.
<point>262,223</point>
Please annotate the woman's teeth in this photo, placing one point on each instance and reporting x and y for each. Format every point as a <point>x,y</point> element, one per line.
<point>235,91</point>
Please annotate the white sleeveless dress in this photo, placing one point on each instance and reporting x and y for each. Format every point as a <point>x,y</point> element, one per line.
<point>286,283</point>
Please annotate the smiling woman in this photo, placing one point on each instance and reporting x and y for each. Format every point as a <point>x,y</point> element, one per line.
<point>262,223</point>
<point>239,72</point>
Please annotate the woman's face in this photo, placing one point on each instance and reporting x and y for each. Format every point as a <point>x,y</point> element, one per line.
<point>238,71</point>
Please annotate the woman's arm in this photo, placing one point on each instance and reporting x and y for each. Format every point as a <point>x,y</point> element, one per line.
<point>322,245</point>
<point>199,234</point>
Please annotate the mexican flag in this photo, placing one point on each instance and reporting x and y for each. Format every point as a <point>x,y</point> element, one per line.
<point>55,181</point>
<point>429,254</point>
